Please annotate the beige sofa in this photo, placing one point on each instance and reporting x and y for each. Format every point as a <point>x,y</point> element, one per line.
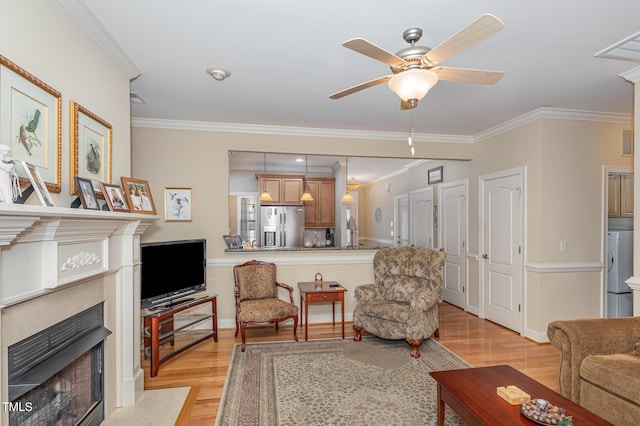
<point>598,369</point>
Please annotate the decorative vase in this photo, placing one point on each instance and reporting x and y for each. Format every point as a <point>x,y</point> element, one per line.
<point>9,184</point>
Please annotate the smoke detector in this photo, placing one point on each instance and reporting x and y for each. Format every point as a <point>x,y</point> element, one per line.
<point>218,73</point>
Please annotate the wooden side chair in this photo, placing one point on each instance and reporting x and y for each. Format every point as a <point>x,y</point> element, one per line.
<point>257,301</point>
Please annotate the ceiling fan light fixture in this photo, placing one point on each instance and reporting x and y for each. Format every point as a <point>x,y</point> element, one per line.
<point>413,84</point>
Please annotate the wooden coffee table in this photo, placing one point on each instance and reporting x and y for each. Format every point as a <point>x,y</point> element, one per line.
<point>472,393</point>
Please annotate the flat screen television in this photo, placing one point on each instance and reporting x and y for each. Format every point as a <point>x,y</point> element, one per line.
<point>172,270</point>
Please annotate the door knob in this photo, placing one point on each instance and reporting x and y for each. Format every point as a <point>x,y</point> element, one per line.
<point>485,256</point>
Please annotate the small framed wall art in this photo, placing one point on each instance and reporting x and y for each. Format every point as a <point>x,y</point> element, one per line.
<point>39,186</point>
<point>138,195</point>
<point>434,175</point>
<point>177,204</point>
<point>30,122</point>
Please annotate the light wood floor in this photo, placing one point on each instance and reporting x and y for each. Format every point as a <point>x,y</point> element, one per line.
<point>479,342</point>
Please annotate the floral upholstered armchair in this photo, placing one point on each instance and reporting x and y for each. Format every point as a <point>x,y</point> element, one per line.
<point>403,301</point>
<point>256,292</point>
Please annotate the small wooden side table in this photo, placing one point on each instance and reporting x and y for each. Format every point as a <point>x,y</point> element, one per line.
<point>327,293</point>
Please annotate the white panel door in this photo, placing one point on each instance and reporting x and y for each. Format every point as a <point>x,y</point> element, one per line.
<point>421,216</point>
<point>401,215</point>
<point>452,206</point>
<point>502,249</point>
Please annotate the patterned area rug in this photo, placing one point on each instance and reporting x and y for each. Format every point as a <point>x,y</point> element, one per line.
<point>335,382</point>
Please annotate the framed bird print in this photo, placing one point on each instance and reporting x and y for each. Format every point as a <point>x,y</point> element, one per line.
<point>30,122</point>
<point>91,147</point>
<point>177,204</point>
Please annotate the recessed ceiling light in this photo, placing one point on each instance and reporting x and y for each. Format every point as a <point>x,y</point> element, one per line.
<point>299,160</point>
<point>218,73</point>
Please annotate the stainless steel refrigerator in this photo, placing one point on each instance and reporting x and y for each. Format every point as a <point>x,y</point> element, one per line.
<point>281,226</point>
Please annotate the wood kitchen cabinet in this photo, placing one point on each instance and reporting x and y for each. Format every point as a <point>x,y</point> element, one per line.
<point>320,213</point>
<point>284,189</point>
<point>620,195</point>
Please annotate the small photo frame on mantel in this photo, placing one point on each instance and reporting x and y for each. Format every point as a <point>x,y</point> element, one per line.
<point>138,193</point>
<point>434,175</point>
<point>114,197</point>
<point>86,193</point>
<point>39,186</point>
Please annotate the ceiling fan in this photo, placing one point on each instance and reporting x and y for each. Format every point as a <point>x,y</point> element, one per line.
<point>416,69</point>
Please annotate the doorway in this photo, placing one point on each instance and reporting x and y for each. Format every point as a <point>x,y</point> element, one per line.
<point>502,233</point>
<point>401,221</point>
<point>452,211</point>
<point>421,216</point>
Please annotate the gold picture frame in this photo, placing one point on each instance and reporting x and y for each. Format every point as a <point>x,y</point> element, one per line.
<point>177,205</point>
<point>30,123</point>
<point>138,193</point>
<point>91,147</point>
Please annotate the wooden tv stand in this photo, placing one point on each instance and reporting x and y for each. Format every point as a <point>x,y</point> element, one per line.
<point>172,330</point>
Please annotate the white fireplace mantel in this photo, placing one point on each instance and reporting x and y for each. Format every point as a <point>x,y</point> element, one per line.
<point>55,258</point>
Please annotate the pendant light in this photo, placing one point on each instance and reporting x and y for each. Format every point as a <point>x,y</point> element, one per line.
<point>265,196</point>
<point>347,197</point>
<point>307,195</point>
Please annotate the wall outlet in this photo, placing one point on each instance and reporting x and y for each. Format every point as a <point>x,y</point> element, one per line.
<point>564,245</point>
<point>353,295</point>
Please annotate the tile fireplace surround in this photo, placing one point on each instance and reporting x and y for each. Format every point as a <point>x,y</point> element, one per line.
<point>56,262</point>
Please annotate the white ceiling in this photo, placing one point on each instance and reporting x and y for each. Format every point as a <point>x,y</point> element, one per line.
<point>286,58</point>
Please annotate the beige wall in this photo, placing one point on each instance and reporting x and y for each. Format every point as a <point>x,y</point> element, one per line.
<point>198,160</point>
<point>41,37</point>
<point>564,192</point>
<point>563,159</point>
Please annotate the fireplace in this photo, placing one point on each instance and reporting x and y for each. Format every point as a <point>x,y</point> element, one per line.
<point>56,375</point>
<point>55,264</point>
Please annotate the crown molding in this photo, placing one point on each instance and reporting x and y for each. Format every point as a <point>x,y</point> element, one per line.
<point>295,131</point>
<point>556,114</point>
<point>632,76</point>
<point>87,20</point>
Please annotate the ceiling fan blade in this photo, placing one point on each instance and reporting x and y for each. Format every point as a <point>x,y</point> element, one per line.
<point>472,34</point>
<point>361,45</point>
<point>360,87</point>
<point>466,75</point>
<point>404,105</point>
